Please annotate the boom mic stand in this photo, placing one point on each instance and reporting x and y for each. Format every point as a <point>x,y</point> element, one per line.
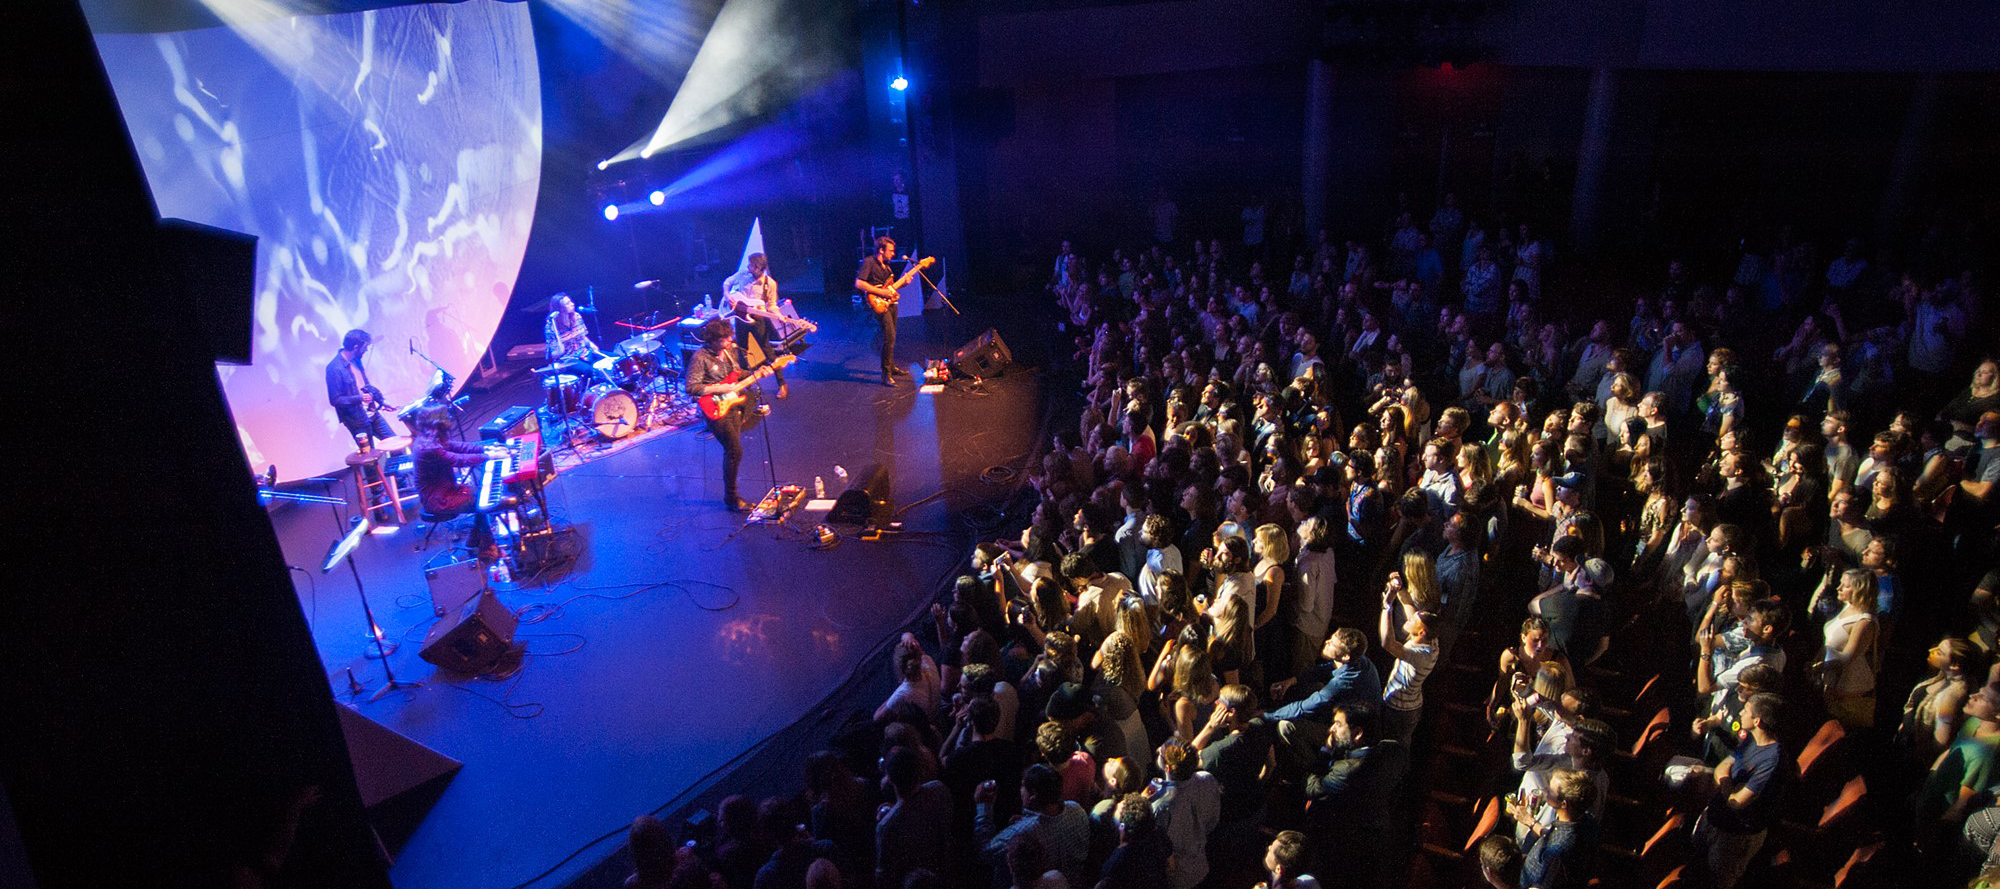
<point>440,390</point>
<point>343,550</point>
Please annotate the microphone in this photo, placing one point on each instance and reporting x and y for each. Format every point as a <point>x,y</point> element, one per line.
<point>413,345</point>
<point>644,284</point>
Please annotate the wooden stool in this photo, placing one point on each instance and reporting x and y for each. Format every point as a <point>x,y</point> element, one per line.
<point>374,487</point>
<point>401,466</point>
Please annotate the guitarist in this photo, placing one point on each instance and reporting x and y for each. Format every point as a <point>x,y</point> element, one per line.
<point>356,401</point>
<point>874,280</point>
<point>753,298</point>
<point>706,371</point>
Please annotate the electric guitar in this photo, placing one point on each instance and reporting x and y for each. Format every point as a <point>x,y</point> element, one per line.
<point>878,303</point>
<point>784,318</point>
<point>714,405</point>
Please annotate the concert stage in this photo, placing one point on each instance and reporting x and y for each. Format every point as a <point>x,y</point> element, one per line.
<point>680,639</point>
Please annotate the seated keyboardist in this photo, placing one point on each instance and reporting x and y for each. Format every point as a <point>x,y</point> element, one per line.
<point>438,459</point>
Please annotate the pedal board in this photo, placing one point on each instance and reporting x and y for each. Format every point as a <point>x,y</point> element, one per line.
<point>777,504</point>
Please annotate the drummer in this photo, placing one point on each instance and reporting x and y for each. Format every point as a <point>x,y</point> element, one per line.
<point>570,343</point>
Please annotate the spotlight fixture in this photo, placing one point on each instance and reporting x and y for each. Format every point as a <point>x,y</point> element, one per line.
<point>899,84</point>
<point>657,197</point>
<point>611,212</point>
<point>601,165</point>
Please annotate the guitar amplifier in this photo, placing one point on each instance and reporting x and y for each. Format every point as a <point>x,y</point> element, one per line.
<point>513,422</point>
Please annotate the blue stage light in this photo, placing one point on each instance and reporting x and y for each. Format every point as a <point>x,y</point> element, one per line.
<point>899,84</point>
<point>657,197</point>
<point>611,212</point>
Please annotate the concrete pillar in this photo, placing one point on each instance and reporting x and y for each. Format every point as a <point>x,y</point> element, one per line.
<point>1586,221</point>
<point>1910,148</point>
<point>1318,145</point>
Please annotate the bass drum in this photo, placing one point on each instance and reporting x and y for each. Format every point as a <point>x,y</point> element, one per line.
<point>611,411</point>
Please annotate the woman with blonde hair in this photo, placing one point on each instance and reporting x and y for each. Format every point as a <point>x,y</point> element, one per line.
<point>1120,681</point>
<point>1185,676</point>
<point>1420,588</point>
<point>1230,647</point>
<point>1273,547</point>
<point>1622,405</point>
<point>1851,656</point>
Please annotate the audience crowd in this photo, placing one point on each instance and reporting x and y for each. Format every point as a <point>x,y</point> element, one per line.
<point>1415,563</point>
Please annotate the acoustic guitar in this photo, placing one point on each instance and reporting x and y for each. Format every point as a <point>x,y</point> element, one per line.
<point>878,303</point>
<point>714,405</point>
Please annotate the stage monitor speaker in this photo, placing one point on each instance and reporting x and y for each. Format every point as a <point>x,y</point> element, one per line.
<point>986,356</point>
<point>866,500</point>
<point>513,422</point>
<point>454,579</point>
<point>475,640</point>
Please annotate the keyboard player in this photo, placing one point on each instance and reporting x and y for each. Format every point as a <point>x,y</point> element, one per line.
<point>438,459</point>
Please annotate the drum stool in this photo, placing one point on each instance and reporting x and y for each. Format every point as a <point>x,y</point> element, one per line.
<point>435,520</point>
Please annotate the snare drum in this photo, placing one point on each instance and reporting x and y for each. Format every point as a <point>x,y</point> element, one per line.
<point>611,410</point>
<point>564,393</point>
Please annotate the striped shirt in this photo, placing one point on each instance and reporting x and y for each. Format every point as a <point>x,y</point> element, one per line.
<point>1405,690</point>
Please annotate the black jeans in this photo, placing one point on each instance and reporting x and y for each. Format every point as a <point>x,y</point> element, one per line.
<point>888,321</point>
<point>376,425</point>
<point>728,432</point>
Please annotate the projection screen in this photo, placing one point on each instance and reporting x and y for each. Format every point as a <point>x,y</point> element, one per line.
<point>388,163</point>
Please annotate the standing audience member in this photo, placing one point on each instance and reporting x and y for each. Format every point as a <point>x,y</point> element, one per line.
<point>1749,787</point>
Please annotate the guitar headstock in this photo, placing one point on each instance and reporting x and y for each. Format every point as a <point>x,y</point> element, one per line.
<point>926,262</point>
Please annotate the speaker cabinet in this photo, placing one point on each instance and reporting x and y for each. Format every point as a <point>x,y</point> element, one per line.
<point>985,356</point>
<point>475,640</point>
<point>866,500</point>
<point>453,580</point>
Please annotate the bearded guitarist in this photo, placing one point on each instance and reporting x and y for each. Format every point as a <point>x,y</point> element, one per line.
<point>356,401</point>
<point>879,285</point>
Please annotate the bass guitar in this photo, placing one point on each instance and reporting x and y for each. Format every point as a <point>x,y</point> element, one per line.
<point>714,405</point>
<point>878,303</point>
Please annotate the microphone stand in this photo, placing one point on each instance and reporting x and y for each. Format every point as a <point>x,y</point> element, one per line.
<point>950,334</point>
<point>441,389</point>
<point>266,493</point>
<point>343,550</point>
<point>940,292</point>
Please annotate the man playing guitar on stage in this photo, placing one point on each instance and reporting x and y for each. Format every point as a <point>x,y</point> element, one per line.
<point>708,373</point>
<point>569,341</point>
<point>752,298</point>
<point>356,401</point>
<point>873,281</point>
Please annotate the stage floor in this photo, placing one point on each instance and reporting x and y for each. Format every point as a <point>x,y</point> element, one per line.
<point>680,638</point>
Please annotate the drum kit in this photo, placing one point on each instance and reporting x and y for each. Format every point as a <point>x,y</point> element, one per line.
<point>643,391</point>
